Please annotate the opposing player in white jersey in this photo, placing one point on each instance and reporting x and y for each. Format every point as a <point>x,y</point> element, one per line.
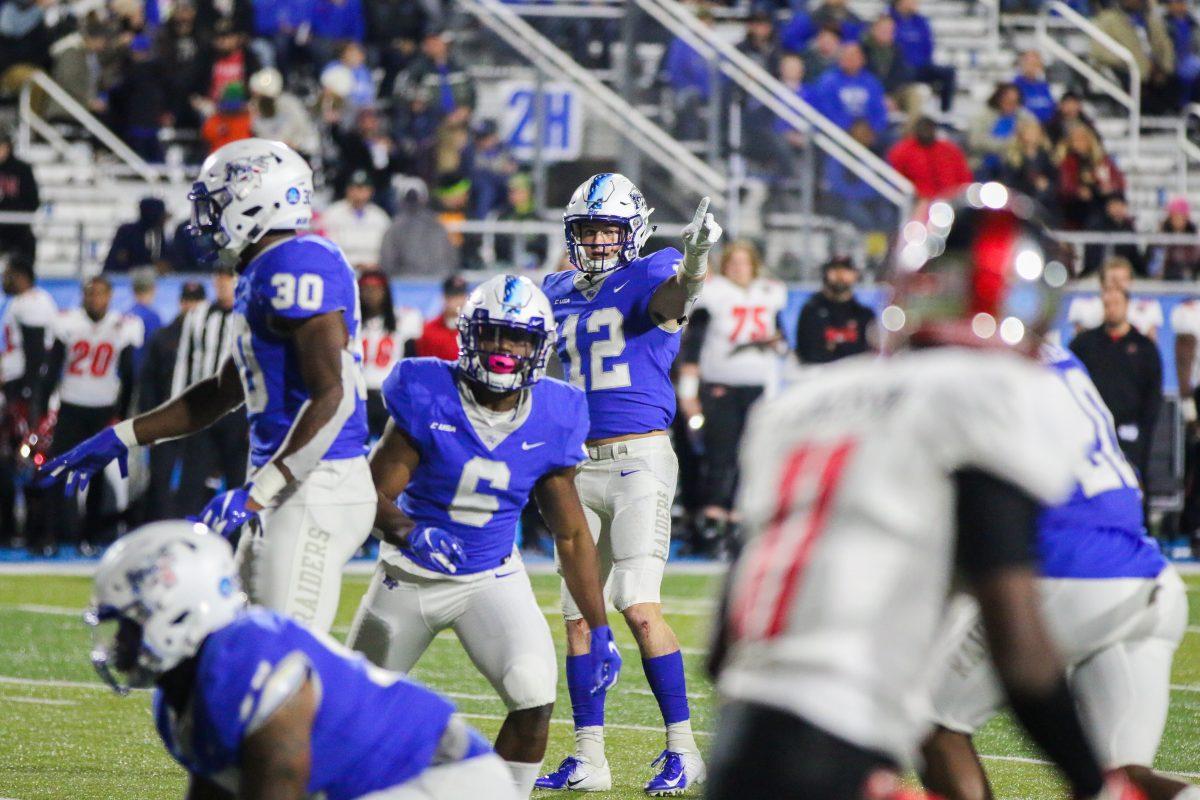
<point>619,317</point>
<point>387,336</point>
<point>24,342</point>
<point>1087,312</point>
<point>863,487</point>
<point>1115,606</point>
<point>468,443</point>
<point>310,494</point>
<point>91,366</point>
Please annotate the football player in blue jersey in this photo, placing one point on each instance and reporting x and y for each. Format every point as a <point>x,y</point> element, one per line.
<point>254,705</point>
<point>466,445</point>
<point>1115,605</point>
<point>296,365</point>
<point>619,315</point>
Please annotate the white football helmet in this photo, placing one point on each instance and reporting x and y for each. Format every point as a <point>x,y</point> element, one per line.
<point>245,189</point>
<point>607,198</point>
<point>505,307</point>
<point>166,586</point>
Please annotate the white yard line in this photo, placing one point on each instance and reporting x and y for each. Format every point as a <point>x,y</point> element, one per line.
<point>33,608</point>
<point>41,701</point>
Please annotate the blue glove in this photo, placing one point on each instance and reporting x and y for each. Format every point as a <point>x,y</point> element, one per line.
<point>606,659</point>
<point>437,550</point>
<point>78,465</point>
<point>227,512</point>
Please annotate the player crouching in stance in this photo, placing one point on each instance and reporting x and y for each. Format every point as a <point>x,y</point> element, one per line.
<point>466,444</point>
<point>619,316</point>
<point>866,490</point>
<point>1115,606</point>
<point>254,705</point>
<point>296,365</point>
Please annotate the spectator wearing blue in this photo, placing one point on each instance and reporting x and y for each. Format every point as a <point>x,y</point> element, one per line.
<point>797,32</point>
<point>1184,30</point>
<point>281,31</point>
<point>145,285</point>
<point>848,92</point>
<point>690,77</point>
<point>350,58</point>
<point>491,168</point>
<point>853,199</point>
<point>914,34</point>
<point>1035,89</point>
<point>837,13</point>
<point>991,130</point>
<point>335,22</point>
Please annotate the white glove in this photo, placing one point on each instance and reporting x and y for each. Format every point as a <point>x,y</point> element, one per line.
<point>1187,410</point>
<point>698,238</point>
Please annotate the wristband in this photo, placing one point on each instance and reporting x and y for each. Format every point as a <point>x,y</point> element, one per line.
<point>268,482</point>
<point>689,386</point>
<point>124,432</point>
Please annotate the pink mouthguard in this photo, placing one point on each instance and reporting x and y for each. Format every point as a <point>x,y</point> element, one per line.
<point>502,363</point>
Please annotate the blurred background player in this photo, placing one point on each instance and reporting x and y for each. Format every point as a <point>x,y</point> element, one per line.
<point>439,338</point>
<point>388,335</point>
<point>216,456</point>
<point>833,324</point>
<point>619,316</point>
<point>25,329</point>
<point>1115,607</point>
<point>311,494</point>
<point>893,471</point>
<point>731,354</point>
<point>91,367</point>
<point>467,444</point>
<point>253,704</point>
<point>1086,312</point>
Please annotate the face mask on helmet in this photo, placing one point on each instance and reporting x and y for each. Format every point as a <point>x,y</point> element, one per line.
<point>502,356</point>
<point>208,237</point>
<point>119,654</point>
<point>599,245</point>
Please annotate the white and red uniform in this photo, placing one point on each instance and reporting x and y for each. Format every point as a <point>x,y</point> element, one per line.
<point>92,351</point>
<point>34,308</point>
<point>1145,314</point>
<point>383,348</point>
<point>1185,321</point>
<point>739,316</point>
<point>848,499</point>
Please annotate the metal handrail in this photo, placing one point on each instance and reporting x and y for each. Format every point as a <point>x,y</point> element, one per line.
<point>83,117</point>
<point>1131,99</point>
<point>768,90</point>
<point>1189,150</point>
<point>639,130</point>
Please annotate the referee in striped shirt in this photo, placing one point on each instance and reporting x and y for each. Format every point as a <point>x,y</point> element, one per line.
<point>216,456</point>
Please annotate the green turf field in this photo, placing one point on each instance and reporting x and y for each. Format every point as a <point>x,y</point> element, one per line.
<point>64,736</point>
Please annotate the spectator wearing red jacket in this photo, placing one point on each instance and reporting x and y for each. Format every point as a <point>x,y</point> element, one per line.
<point>1087,177</point>
<point>935,166</point>
<point>439,339</point>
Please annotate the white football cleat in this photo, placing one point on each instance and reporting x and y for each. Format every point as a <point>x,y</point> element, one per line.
<point>577,774</point>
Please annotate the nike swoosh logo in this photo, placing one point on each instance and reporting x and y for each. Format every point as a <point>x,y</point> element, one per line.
<point>528,446</point>
<point>619,288</point>
<point>675,782</point>
<point>572,784</point>
<point>626,473</point>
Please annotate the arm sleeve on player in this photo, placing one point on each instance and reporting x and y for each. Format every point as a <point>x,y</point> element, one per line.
<point>33,343</point>
<point>54,367</point>
<point>125,374</point>
<point>313,280</point>
<point>996,523</point>
<point>693,336</point>
<point>577,423</point>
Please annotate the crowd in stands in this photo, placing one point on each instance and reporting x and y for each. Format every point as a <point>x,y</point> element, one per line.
<point>865,75</point>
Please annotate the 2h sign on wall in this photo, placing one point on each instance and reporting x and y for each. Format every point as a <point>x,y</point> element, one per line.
<point>563,126</point>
